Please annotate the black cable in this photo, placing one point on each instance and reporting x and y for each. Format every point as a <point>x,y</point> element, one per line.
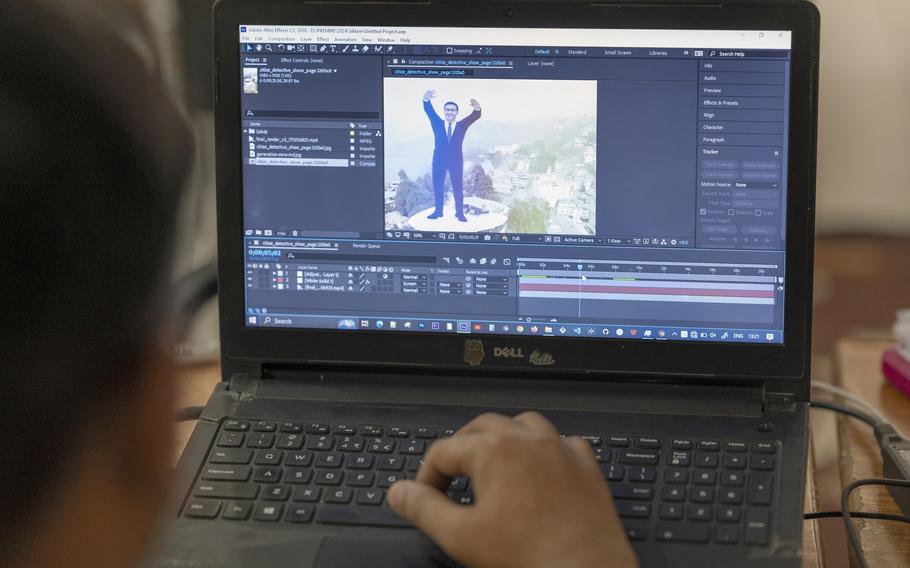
<point>849,411</point>
<point>848,516</point>
<point>856,515</point>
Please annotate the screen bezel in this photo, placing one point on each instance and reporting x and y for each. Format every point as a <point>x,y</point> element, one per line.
<point>572,357</point>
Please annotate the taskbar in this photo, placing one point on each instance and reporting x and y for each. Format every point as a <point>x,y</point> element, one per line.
<point>532,328</point>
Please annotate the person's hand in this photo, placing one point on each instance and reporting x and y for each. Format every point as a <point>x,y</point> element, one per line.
<point>539,500</point>
<point>431,94</point>
<point>475,104</point>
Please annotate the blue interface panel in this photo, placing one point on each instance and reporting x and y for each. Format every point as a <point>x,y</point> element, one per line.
<point>583,183</point>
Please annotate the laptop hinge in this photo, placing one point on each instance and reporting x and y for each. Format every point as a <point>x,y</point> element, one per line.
<point>779,402</point>
<point>244,386</point>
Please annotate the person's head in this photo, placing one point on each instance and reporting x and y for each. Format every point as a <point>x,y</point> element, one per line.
<point>450,109</point>
<point>91,161</point>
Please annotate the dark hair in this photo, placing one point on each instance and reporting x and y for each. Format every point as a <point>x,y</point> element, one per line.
<point>450,103</point>
<point>92,158</point>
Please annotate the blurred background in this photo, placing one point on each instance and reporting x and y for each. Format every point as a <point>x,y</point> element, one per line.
<point>862,261</point>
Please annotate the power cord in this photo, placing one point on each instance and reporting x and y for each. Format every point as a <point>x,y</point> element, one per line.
<point>856,515</point>
<point>848,516</point>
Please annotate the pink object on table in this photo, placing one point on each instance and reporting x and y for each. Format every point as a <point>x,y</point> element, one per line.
<point>897,370</point>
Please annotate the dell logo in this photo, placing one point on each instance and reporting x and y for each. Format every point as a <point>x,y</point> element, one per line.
<point>508,352</point>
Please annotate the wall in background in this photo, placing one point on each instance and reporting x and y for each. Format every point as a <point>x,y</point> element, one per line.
<point>864,122</point>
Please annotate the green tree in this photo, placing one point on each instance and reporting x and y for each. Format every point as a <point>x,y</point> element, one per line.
<point>413,196</point>
<point>478,183</point>
<point>529,216</point>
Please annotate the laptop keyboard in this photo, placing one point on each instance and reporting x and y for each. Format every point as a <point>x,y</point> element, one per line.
<point>666,489</point>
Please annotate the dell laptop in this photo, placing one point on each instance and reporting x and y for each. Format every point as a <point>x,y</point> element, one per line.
<point>427,210</point>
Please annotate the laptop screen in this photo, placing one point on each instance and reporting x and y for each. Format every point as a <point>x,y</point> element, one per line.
<point>601,184</point>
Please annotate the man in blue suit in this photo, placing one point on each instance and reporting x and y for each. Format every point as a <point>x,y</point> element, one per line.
<point>447,156</point>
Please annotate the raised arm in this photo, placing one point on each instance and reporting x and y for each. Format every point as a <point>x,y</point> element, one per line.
<point>474,116</point>
<point>428,106</point>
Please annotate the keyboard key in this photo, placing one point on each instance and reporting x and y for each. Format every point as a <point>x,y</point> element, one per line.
<point>237,510</point>
<point>447,432</point>
<point>681,444</point>
<point>267,511</point>
<point>756,526</point>
<point>618,441</point>
<point>298,475</point>
<point>226,490</point>
<point>346,429</point>
<point>360,478</point>
<point>683,532</point>
<point>701,495</point>
<point>428,433</point>
<point>291,428</point>
<point>231,456</point>
<point>267,474</point>
<point>648,443</point>
<point>360,462</point>
<point>726,534</point>
<point>386,480</point>
<point>260,440</point>
<point>670,511</point>
<point>637,457</point>
<point>307,494</point>
<point>676,475</point>
<point>301,459</point>
<point>290,441</point>
<point>760,487</point>
<point>636,530</point>
<point>613,472</point>
<point>390,463</point>
<point>602,454</point>
<point>633,510</point>
<point>202,508</point>
<point>226,473</point>
<point>734,461</point>
<point>629,491</point>
<point>370,496</point>
<point>763,447</point>
<point>413,447</point>
<point>732,479</point>
<point>708,446</point>
<point>236,425</point>
<point>317,428</point>
<point>320,443</point>
<point>329,459</point>
<point>359,515</point>
<point>460,483</point>
<point>371,431</point>
<point>231,440</point>
<point>699,513</point>
<point>276,493</point>
<point>729,514</point>
<point>399,432</point>
<point>738,447</point>
<point>670,493</point>
<point>704,478</point>
<point>706,460</point>
<point>765,463</point>
<point>381,446</point>
<point>414,464</point>
<point>680,459</point>
<point>642,474</point>
<point>328,477</point>
<point>268,457</point>
<point>299,513</point>
<point>350,444</point>
<point>731,496</point>
<point>263,426</point>
<point>340,495</point>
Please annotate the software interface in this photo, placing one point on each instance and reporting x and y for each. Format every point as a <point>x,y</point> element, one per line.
<point>609,184</point>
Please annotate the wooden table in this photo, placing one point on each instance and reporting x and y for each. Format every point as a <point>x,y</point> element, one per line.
<point>858,363</point>
<point>196,383</point>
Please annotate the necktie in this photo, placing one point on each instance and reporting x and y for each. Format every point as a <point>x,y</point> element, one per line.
<point>450,132</point>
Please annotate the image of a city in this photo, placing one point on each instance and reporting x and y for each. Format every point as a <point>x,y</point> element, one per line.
<point>544,185</point>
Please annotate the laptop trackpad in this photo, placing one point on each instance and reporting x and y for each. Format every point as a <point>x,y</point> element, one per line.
<point>340,551</point>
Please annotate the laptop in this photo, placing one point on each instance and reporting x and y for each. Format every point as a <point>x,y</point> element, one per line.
<point>430,210</point>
